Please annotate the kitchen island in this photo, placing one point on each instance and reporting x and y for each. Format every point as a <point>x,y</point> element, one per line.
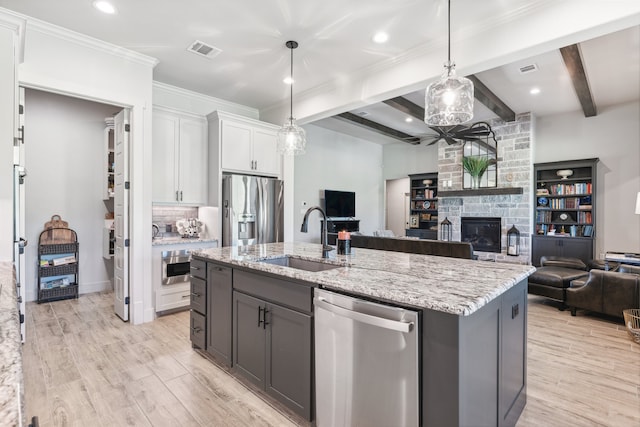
<point>473,318</point>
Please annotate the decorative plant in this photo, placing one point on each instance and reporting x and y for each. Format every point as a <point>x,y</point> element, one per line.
<point>476,165</point>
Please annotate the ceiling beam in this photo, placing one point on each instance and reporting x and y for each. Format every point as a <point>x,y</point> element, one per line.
<point>573,62</point>
<point>403,104</point>
<point>491,100</point>
<point>381,129</point>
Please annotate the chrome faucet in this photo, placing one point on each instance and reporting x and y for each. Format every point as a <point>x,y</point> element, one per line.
<point>323,238</point>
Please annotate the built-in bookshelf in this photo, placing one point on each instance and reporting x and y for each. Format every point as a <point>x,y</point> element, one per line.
<point>423,220</point>
<point>565,201</point>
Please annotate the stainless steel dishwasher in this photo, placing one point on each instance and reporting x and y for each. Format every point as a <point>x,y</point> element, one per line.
<point>366,358</point>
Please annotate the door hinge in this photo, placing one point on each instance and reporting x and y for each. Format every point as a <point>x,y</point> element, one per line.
<point>126,300</point>
<point>127,185</point>
<point>19,139</point>
<point>21,318</point>
<point>126,243</point>
<point>127,128</point>
<point>20,109</point>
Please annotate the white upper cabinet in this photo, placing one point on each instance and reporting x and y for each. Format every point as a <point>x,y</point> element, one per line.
<point>248,146</point>
<point>179,158</point>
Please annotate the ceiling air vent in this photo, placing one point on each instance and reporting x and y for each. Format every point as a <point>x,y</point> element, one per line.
<point>203,49</point>
<point>528,68</point>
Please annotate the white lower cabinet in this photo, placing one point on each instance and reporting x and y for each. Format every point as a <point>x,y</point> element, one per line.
<point>179,158</point>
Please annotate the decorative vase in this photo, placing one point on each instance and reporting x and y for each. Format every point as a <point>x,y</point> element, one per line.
<point>475,181</point>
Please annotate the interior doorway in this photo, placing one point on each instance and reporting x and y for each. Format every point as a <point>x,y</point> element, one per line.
<point>66,156</point>
<point>397,205</point>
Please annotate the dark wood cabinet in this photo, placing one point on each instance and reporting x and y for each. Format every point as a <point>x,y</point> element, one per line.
<point>564,209</point>
<point>423,220</point>
<point>219,306</point>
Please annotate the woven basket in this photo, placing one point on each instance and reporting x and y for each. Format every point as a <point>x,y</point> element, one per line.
<point>632,320</point>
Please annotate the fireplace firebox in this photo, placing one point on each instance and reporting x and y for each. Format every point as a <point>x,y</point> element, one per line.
<point>484,233</point>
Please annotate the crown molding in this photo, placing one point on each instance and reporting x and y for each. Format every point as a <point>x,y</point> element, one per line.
<point>223,104</point>
<point>89,42</point>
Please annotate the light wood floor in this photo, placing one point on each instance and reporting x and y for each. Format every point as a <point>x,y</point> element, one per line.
<point>83,366</point>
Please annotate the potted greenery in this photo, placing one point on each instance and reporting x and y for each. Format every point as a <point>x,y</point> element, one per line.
<point>476,166</point>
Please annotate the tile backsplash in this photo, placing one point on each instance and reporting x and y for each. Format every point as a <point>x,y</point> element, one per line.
<point>168,215</point>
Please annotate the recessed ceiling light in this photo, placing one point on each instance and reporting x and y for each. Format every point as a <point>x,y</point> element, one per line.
<point>534,91</point>
<point>380,37</point>
<point>408,119</point>
<point>288,80</point>
<point>104,7</point>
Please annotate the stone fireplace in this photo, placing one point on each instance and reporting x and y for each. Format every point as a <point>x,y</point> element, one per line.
<point>509,202</point>
<point>484,233</point>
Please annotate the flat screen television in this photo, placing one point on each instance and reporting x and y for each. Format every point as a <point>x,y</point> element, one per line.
<point>339,203</point>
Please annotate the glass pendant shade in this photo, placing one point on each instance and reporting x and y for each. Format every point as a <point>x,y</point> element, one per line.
<point>449,101</point>
<point>291,138</point>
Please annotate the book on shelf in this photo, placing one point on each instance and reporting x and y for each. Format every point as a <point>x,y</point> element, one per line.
<point>64,260</point>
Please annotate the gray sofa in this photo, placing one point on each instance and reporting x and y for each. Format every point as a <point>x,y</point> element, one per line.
<point>416,246</point>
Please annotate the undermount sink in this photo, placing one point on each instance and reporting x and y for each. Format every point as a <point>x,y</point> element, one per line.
<point>300,264</point>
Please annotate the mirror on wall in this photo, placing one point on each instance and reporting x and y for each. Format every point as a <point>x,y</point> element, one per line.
<point>480,162</point>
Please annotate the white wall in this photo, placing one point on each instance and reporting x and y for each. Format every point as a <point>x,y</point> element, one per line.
<point>64,157</point>
<point>59,60</point>
<point>614,137</point>
<point>402,159</point>
<point>336,161</point>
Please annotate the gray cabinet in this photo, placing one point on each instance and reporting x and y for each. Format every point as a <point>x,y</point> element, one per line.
<point>513,351</point>
<point>474,367</point>
<point>198,298</point>
<point>272,341</point>
<point>576,247</point>
<point>219,305</point>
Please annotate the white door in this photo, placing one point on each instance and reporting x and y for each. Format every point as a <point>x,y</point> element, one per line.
<point>396,205</point>
<point>121,215</point>
<point>19,242</point>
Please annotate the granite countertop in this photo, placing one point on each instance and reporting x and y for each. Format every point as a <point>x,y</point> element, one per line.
<point>176,239</point>
<point>11,383</point>
<point>450,285</point>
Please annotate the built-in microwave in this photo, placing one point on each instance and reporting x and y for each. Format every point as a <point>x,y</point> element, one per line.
<point>176,267</point>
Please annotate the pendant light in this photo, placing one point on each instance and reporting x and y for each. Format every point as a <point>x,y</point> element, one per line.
<point>291,137</point>
<point>449,101</point>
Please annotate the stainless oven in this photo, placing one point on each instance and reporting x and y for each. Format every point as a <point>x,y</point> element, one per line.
<point>176,266</point>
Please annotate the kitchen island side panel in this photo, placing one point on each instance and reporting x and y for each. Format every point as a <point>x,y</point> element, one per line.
<point>466,379</point>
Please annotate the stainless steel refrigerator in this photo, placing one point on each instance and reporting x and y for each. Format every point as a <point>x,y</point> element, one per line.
<point>252,210</point>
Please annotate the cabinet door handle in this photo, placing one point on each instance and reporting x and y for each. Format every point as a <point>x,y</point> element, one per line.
<point>180,195</point>
<point>196,330</point>
<point>264,318</point>
<point>195,294</point>
<point>177,199</point>
<point>259,316</point>
<point>185,296</point>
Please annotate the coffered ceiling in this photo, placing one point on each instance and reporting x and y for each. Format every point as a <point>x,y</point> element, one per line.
<point>337,56</point>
